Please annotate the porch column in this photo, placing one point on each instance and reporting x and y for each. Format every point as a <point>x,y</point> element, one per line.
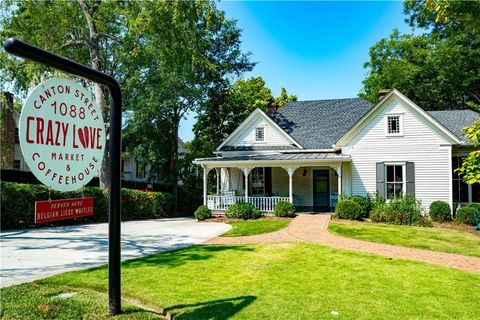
<point>217,172</point>
<point>290,171</point>
<point>339,175</point>
<point>246,172</point>
<point>205,176</point>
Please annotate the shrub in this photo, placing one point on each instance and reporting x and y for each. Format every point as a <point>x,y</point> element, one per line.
<point>348,209</point>
<point>402,210</point>
<point>284,209</point>
<point>440,211</point>
<point>203,213</point>
<point>364,204</point>
<point>243,211</point>
<point>465,215</point>
<point>18,204</point>
<point>476,206</point>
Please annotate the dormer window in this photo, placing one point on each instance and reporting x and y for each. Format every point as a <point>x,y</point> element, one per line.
<point>260,134</point>
<point>394,125</point>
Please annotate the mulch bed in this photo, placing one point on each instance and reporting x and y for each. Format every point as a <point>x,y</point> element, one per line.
<point>459,227</point>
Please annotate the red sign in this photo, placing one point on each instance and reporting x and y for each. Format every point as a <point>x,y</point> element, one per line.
<point>52,210</point>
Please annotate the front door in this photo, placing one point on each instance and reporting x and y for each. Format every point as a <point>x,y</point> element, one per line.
<point>321,190</point>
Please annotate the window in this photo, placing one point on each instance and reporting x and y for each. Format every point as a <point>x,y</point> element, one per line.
<point>140,170</point>
<point>122,169</point>
<point>17,138</point>
<point>395,180</point>
<point>257,182</point>
<point>462,192</point>
<point>394,125</point>
<point>260,134</point>
<point>16,164</point>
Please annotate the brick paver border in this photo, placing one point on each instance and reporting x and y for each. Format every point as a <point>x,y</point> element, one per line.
<point>314,229</point>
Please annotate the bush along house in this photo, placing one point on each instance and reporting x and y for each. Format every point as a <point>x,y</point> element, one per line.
<point>310,152</point>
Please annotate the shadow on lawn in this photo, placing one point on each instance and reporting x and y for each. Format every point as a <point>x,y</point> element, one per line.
<point>179,257</point>
<point>221,309</point>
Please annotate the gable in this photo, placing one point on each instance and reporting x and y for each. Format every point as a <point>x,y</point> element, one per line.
<point>243,138</point>
<point>416,123</point>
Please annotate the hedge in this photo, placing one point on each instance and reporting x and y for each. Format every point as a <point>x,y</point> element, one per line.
<point>348,209</point>
<point>243,211</point>
<point>18,204</point>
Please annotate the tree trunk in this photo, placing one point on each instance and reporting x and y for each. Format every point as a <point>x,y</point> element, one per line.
<point>94,49</point>
<point>173,161</point>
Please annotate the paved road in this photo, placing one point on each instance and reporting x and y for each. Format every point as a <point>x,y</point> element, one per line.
<point>27,255</point>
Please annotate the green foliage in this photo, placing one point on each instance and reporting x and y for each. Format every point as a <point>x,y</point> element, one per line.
<point>401,210</point>
<point>470,169</point>
<point>18,204</point>
<point>465,215</point>
<point>243,211</point>
<point>364,204</point>
<point>203,213</point>
<point>440,211</point>
<point>348,209</point>
<point>284,209</point>
<point>224,110</point>
<point>438,69</point>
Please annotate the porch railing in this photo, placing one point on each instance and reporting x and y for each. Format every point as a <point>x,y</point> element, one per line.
<point>265,204</point>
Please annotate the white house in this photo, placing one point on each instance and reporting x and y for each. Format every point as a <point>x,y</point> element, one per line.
<point>309,152</point>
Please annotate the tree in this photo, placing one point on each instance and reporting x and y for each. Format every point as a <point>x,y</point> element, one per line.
<point>284,98</point>
<point>439,69</point>
<point>183,50</point>
<point>224,111</point>
<point>88,32</point>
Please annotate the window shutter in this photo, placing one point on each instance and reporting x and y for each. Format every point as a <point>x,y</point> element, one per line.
<point>410,166</point>
<point>381,179</point>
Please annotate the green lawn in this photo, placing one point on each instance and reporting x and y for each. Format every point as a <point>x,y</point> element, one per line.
<point>263,281</point>
<point>436,239</point>
<point>252,227</point>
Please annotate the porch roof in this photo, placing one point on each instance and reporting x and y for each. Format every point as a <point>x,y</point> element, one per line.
<point>276,158</point>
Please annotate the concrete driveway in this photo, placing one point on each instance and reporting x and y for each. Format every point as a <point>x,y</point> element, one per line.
<point>27,255</point>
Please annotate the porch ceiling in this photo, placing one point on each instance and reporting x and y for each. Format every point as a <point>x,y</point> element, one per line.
<point>278,159</point>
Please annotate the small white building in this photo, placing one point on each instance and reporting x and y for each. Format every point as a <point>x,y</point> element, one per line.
<point>309,152</point>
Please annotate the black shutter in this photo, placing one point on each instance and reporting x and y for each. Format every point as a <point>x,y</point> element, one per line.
<point>381,179</point>
<point>268,181</point>
<point>410,178</point>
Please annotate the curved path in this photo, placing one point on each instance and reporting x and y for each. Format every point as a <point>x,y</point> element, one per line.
<point>313,229</point>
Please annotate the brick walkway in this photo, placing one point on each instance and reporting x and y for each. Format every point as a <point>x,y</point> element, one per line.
<point>313,229</point>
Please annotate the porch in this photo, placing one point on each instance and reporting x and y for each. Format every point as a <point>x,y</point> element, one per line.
<point>310,181</point>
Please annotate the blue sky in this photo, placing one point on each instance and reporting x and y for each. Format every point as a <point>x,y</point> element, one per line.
<point>314,49</point>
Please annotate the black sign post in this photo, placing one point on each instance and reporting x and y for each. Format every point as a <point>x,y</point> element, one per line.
<point>27,51</point>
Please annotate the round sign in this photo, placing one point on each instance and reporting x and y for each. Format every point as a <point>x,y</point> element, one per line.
<point>62,134</point>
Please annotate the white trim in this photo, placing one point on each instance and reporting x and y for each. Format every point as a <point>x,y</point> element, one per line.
<point>404,175</point>
<point>400,125</point>
<point>264,127</point>
<point>450,180</point>
<point>394,93</point>
<point>249,120</point>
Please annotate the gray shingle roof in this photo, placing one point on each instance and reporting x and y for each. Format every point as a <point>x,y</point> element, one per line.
<point>456,120</point>
<point>282,157</point>
<point>318,124</point>
<point>257,148</point>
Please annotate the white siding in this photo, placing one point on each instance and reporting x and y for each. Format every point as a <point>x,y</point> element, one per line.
<point>419,144</point>
<point>247,136</point>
